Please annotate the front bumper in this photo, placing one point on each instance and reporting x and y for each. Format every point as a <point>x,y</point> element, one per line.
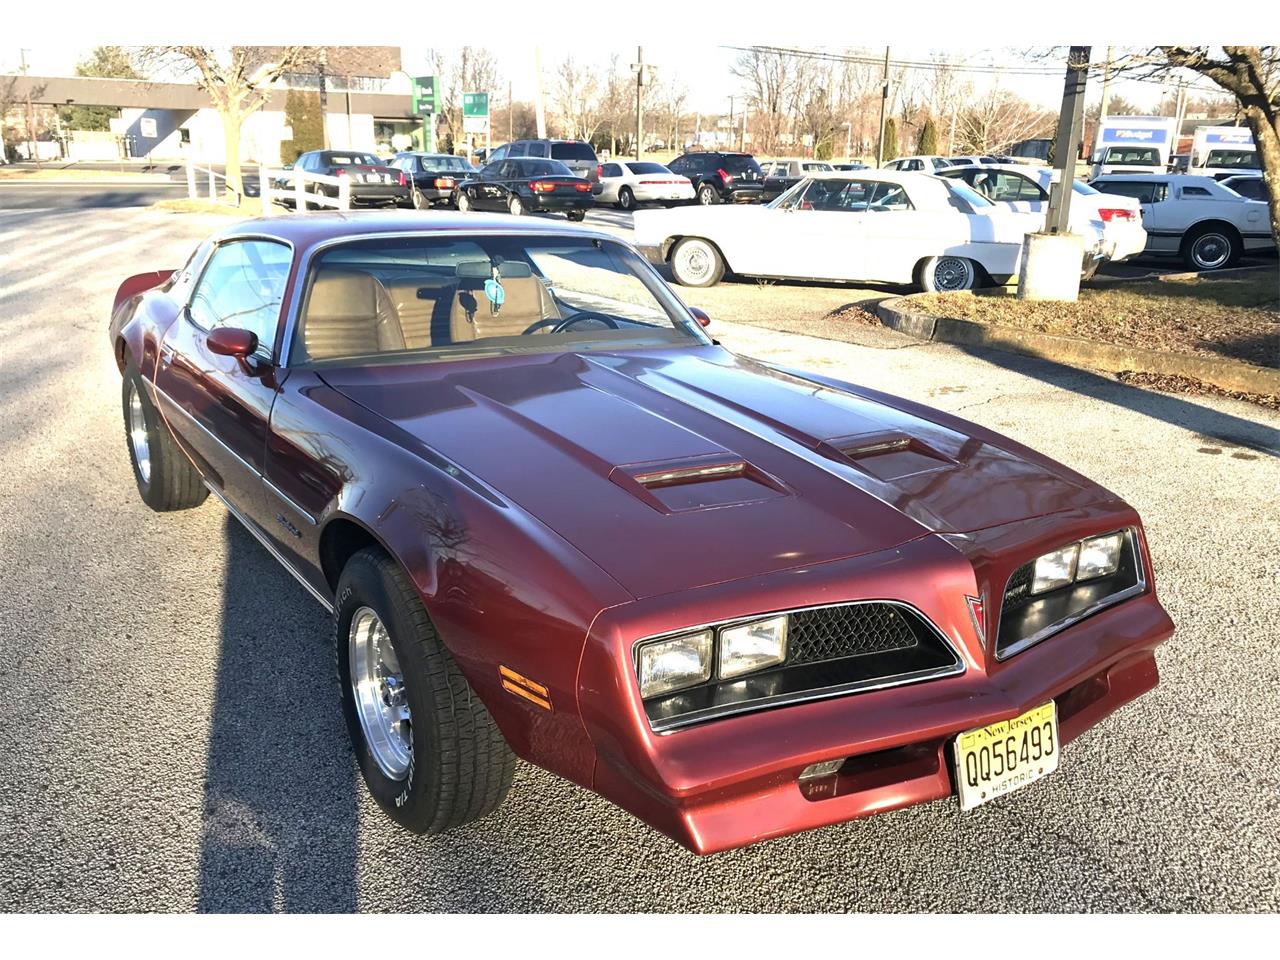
<point>732,782</point>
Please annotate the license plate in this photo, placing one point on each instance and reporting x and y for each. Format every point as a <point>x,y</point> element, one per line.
<point>995,760</point>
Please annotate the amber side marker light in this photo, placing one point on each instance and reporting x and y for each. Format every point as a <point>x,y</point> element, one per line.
<point>530,690</point>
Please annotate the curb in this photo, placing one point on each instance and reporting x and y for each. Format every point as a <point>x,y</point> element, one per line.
<point>1232,375</point>
<point>1227,274</point>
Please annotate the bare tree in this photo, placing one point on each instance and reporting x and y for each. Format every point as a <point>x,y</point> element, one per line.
<point>998,119</point>
<point>238,81</point>
<point>578,100</point>
<point>470,70</point>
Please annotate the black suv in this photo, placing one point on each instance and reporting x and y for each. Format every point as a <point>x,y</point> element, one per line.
<point>721,177</point>
<point>577,155</point>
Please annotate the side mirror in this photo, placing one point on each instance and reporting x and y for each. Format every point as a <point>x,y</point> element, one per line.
<point>233,342</point>
<point>701,316</point>
<point>287,166</point>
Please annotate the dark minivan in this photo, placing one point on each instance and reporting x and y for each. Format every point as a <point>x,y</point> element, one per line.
<point>721,177</point>
<point>577,155</point>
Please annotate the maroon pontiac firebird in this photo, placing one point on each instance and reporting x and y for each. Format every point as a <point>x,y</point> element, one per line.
<point>554,519</point>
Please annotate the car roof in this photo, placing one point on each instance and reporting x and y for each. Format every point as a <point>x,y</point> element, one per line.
<point>1185,179</point>
<point>307,230</point>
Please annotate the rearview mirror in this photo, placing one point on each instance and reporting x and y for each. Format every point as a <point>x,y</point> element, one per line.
<point>232,342</point>
<point>701,316</point>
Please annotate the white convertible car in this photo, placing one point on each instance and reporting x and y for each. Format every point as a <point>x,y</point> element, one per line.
<point>879,225</point>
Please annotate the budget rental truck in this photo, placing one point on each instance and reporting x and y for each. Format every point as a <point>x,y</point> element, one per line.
<point>1133,145</point>
<point>1223,152</point>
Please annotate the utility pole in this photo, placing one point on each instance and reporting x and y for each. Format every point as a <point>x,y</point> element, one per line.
<point>642,76</point>
<point>884,105</point>
<point>732,125</point>
<point>511,111</point>
<point>1050,267</point>
<point>1067,144</point>
<point>1106,89</point>
<point>22,54</point>
<point>539,107</point>
<point>324,99</point>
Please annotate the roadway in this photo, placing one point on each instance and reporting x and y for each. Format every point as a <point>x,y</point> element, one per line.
<point>169,729</point>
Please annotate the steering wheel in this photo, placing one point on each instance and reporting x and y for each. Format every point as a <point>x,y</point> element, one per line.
<point>560,326</point>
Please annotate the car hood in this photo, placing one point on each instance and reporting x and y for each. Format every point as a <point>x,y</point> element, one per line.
<point>674,468</point>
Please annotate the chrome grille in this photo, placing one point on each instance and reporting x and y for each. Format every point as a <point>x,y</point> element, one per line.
<point>830,633</point>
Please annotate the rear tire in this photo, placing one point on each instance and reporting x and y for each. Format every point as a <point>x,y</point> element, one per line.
<point>448,763</point>
<point>464,202</point>
<point>1211,248</point>
<point>165,477</point>
<point>708,195</point>
<point>626,199</point>
<point>577,216</point>
<point>696,263</point>
<point>948,274</point>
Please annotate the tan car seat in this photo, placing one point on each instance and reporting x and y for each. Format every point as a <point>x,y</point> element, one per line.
<point>472,316</point>
<point>350,313</point>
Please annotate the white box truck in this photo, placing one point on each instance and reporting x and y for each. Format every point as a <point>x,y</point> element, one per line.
<point>1133,145</point>
<point>1223,152</point>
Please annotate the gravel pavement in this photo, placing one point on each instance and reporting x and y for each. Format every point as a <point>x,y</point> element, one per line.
<point>169,730</point>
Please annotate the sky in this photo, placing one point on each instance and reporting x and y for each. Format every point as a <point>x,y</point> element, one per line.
<point>702,67</point>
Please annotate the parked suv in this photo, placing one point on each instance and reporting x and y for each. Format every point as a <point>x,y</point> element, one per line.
<point>577,155</point>
<point>721,177</point>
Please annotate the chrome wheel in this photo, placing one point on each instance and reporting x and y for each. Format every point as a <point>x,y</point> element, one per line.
<point>464,202</point>
<point>694,262</point>
<point>1211,251</point>
<point>626,200</point>
<point>707,195</point>
<point>138,435</point>
<point>952,273</point>
<point>516,207</point>
<point>378,687</point>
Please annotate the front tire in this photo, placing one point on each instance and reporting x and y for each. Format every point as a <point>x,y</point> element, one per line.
<point>1211,248</point>
<point>165,477</point>
<point>429,751</point>
<point>696,263</point>
<point>948,274</point>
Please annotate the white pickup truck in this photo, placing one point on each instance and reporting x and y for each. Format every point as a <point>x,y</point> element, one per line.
<point>1209,226</point>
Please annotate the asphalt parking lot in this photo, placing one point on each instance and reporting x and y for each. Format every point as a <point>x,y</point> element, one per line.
<point>169,728</point>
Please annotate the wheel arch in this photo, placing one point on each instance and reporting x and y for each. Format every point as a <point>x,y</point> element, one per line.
<point>341,538</point>
<point>1213,223</point>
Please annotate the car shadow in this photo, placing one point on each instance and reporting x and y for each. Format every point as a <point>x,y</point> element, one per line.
<point>280,809</point>
<point>1168,408</point>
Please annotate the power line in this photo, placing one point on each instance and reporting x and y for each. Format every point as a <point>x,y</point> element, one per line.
<point>1048,70</point>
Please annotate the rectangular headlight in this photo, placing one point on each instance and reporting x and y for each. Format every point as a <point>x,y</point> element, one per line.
<point>753,646</point>
<point>1056,569</point>
<point>674,664</point>
<point>1099,556</point>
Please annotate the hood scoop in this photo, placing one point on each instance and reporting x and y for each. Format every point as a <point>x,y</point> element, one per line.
<point>888,455</point>
<point>697,483</point>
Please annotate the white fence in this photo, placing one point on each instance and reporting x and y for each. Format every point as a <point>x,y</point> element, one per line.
<point>299,193</point>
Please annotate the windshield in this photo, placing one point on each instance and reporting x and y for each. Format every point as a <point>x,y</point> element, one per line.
<point>573,151</point>
<point>1132,157</point>
<point>1235,159</point>
<point>962,193</point>
<point>413,299</point>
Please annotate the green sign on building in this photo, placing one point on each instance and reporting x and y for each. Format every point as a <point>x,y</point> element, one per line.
<point>475,104</point>
<point>426,99</point>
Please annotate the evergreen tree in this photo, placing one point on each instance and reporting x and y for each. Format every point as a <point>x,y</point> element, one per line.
<point>890,139</point>
<point>927,145</point>
<point>302,113</point>
<point>111,62</point>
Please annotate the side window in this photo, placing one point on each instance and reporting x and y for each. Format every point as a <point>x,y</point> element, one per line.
<point>612,170</point>
<point>1008,187</point>
<point>243,286</point>
<point>500,153</point>
<point>490,171</point>
<point>1195,192</point>
<point>887,197</point>
<point>678,165</point>
<point>537,149</point>
<point>519,149</point>
<point>1142,192</point>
